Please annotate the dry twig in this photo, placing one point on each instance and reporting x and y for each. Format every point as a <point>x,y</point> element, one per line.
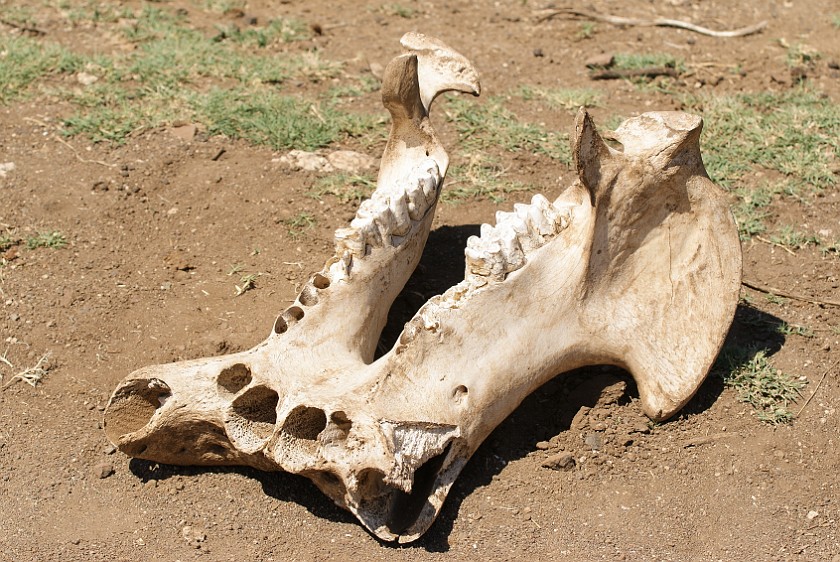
<point>779,293</point>
<point>31,376</point>
<point>544,15</point>
<point>25,28</point>
<point>782,246</point>
<point>816,388</point>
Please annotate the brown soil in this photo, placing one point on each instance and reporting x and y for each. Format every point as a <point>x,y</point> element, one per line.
<point>144,280</point>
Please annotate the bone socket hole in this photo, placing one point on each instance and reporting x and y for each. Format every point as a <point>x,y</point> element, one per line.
<point>308,296</point>
<point>320,281</point>
<point>305,422</point>
<point>460,393</point>
<point>234,378</point>
<point>286,320</point>
<point>253,416</point>
<point>133,406</point>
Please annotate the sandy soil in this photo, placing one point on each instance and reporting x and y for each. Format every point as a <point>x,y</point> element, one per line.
<point>144,280</point>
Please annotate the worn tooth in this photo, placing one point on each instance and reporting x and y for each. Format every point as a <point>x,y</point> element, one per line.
<point>349,239</point>
<point>511,249</point>
<point>488,232</point>
<point>416,201</point>
<point>399,209</point>
<point>368,231</point>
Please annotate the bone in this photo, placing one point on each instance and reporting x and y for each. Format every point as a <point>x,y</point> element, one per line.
<point>636,264</point>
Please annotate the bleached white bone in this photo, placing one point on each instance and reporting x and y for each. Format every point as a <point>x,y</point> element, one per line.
<point>636,264</point>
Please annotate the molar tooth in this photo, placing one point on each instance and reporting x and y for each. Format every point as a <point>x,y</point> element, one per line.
<point>349,239</point>
<point>368,231</point>
<point>488,232</point>
<point>416,201</point>
<point>399,209</point>
<point>511,249</point>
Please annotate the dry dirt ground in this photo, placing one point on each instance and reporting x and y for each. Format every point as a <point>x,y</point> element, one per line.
<point>154,225</point>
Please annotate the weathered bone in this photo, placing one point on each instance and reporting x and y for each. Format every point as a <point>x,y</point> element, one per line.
<point>637,264</point>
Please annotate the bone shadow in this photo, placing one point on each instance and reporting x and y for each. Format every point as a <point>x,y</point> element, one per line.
<point>549,411</point>
<point>278,485</point>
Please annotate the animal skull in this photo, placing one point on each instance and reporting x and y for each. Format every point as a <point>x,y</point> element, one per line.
<point>637,264</point>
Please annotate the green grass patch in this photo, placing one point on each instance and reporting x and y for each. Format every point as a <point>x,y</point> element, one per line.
<point>229,82</point>
<point>835,20</point>
<point>482,177</point>
<point>24,61</point>
<point>768,390</point>
<point>278,120</point>
<point>400,10</point>
<point>300,223</point>
<point>562,98</point>
<point>795,133</point>
<point>638,61</point>
<point>490,125</point>
<point>49,239</point>
<point>345,186</point>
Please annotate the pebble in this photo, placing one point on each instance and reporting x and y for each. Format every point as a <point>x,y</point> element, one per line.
<point>560,461</point>
<point>543,445</point>
<point>103,470</point>
<point>812,515</point>
<point>110,450</point>
<point>594,441</point>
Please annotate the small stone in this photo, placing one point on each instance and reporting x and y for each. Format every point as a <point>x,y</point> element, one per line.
<point>579,421</point>
<point>640,427</point>
<point>539,53</point>
<point>86,79</point>
<point>812,515</point>
<point>5,168</point>
<point>110,450</point>
<point>350,161</point>
<point>184,132</point>
<point>103,470</point>
<point>306,161</point>
<point>560,461</point>
<point>75,541</point>
<point>543,445</point>
<point>594,441</point>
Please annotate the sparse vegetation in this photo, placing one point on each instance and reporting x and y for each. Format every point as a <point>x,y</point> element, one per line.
<point>636,61</point>
<point>481,177</point>
<point>345,186</point>
<point>767,389</point>
<point>300,223</point>
<point>491,125</point>
<point>399,10</point>
<point>569,99</point>
<point>51,239</point>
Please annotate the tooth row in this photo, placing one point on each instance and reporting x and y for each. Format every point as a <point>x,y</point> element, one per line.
<point>385,218</point>
<point>502,249</point>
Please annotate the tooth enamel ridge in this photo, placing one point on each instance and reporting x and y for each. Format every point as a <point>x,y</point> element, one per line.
<point>503,248</point>
<point>393,210</point>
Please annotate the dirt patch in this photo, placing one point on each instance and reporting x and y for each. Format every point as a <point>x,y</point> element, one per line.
<point>161,230</point>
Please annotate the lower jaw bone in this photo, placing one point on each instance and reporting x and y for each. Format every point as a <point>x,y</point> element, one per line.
<point>637,264</point>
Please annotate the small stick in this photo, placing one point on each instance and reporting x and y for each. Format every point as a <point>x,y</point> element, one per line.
<point>816,388</point>
<point>79,158</point>
<point>659,22</point>
<point>30,376</point>
<point>779,293</point>
<point>782,246</point>
<point>650,72</point>
<point>218,154</point>
<point>696,441</point>
<point>24,28</point>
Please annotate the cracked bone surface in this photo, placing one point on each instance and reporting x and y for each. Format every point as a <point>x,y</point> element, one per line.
<point>636,264</point>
